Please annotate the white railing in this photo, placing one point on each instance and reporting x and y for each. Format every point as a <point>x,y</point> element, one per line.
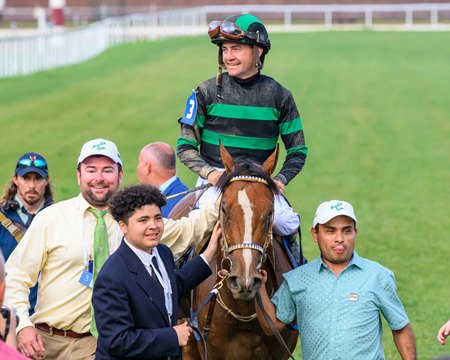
<point>27,55</point>
<point>22,55</point>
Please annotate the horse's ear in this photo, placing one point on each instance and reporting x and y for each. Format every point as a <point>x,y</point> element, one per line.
<point>227,160</point>
<point>271,162</point>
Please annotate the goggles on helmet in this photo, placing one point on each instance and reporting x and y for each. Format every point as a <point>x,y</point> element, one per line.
<point>228,30</point>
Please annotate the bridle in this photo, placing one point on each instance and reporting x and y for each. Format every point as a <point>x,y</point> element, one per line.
<point>227,250</point>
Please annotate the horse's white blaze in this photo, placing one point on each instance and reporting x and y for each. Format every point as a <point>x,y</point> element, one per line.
<point>246,206</point>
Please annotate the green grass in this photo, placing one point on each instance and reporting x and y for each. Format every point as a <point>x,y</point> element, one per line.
<point>375,110</point>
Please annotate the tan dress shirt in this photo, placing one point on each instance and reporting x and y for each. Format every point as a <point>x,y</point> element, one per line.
<point>53,251</point>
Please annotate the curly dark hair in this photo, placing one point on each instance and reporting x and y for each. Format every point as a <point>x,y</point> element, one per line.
<point>124,203</point>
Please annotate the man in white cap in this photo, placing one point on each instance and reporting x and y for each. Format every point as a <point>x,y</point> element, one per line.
<point>337,299</point>
<point>65,247</point>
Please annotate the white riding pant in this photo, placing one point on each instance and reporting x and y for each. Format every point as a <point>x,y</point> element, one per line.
<point>285,222</point>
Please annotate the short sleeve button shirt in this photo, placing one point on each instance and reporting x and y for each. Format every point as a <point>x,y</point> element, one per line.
<point>339,317</point>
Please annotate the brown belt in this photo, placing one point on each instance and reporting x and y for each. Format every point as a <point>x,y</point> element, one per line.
<point>65,333</point>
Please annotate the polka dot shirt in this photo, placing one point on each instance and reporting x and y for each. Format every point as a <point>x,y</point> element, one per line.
<point>339,318</point>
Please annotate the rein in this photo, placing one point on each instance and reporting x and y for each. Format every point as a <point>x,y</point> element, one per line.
<point>272,326</point>
<point>211,298</point>
<point>201,187</point>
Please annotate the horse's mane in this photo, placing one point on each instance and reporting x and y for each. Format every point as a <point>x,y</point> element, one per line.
<point>246,169</point>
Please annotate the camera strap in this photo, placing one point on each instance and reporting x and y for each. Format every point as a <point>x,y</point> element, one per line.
<point>6,314</point>
<point>11,227</point>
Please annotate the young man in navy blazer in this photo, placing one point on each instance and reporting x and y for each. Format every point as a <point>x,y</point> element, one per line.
<point>135,305</point>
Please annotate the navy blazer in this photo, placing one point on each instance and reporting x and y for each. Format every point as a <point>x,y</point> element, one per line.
<point>175,187</point>
<point>130,312</point>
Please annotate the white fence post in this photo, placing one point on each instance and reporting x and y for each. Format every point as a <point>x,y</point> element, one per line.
<point>368,18</point>
<point>328,18</point>
<point>408,17</point>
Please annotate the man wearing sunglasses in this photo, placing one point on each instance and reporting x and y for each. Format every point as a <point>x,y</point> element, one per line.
<point>28,193</point>
<point>245,110</point>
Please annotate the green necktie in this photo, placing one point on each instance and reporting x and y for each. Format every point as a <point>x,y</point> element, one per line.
<point>101,253</point>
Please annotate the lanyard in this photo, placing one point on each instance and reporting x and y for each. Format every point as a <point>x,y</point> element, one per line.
<point>165,284</point>
<point>87,256</point>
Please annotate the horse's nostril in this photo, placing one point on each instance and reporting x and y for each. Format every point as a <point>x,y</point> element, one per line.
<point>233,281</point>
<point>257,282</point>
<point>253,284</point>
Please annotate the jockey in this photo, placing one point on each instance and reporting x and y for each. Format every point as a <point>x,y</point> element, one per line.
<point>248,112</point>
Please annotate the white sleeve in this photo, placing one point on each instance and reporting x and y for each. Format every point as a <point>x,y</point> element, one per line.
<point>286,220</point>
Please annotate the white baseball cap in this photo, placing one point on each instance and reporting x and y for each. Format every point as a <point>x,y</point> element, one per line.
<point>100,147</point>
<point>330,209</point>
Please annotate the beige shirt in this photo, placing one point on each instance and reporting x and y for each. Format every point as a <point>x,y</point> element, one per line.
<point>53,250</point>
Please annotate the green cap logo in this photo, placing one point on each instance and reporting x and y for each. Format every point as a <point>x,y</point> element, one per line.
<point>338,206</point>
<point>100,146</point>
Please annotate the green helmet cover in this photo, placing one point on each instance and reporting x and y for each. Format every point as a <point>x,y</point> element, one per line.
<point>255,31</point>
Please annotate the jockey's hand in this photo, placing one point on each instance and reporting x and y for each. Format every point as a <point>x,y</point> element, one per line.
<point>214,176</point>
<point>211,251</point>
<point>279,185</point>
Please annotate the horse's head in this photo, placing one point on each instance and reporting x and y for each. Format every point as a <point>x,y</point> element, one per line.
<point>246,216</point>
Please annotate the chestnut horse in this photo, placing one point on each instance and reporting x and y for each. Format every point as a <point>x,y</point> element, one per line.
<point>246,217</point>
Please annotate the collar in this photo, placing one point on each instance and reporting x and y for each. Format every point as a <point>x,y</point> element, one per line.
<point>249,81</point>
<point>16,198</point>
<point>83,205</point>
<point>145,257</point>
<point>22,206</point>
<point>354,261</point>
<point>165,185</point>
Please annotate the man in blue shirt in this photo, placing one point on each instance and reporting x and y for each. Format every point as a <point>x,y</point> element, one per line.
<point>338,299</point>
<point>157,167</point>
<point>28,193</point>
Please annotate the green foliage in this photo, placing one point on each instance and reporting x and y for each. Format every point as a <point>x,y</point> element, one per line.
<point>375,112</point>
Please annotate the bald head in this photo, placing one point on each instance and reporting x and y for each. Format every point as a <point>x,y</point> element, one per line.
<point>161,153</point>
<point>156,164</point>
